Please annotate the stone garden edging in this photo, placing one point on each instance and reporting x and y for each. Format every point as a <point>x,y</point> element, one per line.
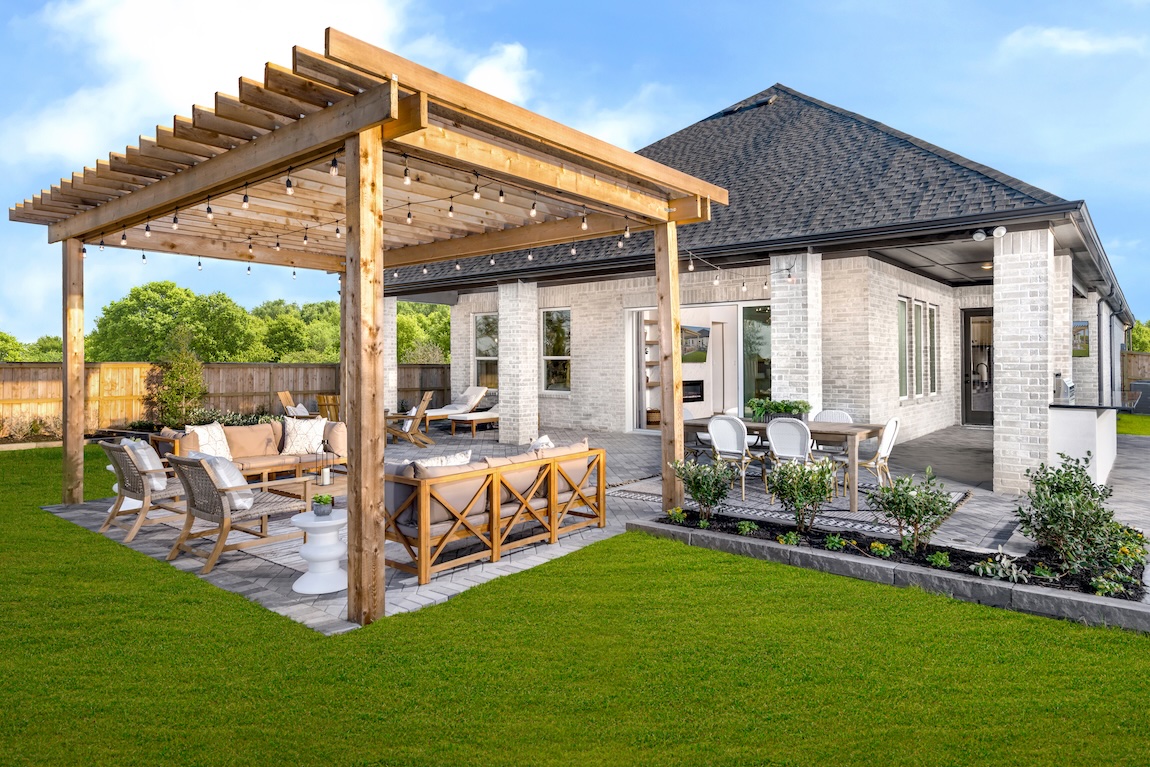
<point>1037,600</point>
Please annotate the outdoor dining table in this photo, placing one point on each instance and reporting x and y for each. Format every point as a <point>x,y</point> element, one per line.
<point>821,431</point>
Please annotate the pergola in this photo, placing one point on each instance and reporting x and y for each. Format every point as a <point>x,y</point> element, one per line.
<point>354,161</point>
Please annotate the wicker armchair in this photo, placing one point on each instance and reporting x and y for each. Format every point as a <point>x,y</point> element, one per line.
<point>132,482</point>
<point>208,501</point>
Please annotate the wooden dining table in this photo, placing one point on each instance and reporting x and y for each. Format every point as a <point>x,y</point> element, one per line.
<point>821,431</point>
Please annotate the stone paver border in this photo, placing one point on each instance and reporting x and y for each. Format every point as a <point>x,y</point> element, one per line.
<point>1036,600</point>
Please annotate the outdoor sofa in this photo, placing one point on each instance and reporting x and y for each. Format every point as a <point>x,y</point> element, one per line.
<point>258,451</point>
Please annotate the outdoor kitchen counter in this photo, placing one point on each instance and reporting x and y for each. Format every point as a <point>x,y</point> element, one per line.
<point>1076,429</point>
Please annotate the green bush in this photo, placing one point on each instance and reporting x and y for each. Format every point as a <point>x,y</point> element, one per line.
<point>708,484</point>
<point>175,385</point>
<point>939,559</point>
<point>917,509</point>
<point>803,488</point>
<point>746,527</point>
<point>677,515</point>
<point>760,407</point>
<point>1068,513</point>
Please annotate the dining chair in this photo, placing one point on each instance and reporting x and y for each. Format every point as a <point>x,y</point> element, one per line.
<point>831,416</point>
<point>877,464</point>
<point>789,440</point>
<point>729,444</point>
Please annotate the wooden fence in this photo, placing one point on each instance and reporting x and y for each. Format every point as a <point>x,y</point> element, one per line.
<point>1135,367</point>
<point>115,390</point>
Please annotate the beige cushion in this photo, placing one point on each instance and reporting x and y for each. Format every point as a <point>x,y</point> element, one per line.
<point>575,468</point>
<point>247,441</point>
<point>253,463</point>
<point>457,495</point>
<point>455,459</point>
<point>303,436</point>
<point>147,459</point>
<point>228,475</point>
<point>521,479</point>
<point>187,442</point>
<point>278,434</point>
<point>336,435</point>
<point>213,440</point>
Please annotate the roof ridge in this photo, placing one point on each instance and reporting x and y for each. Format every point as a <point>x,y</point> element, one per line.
<point>1035,193</point>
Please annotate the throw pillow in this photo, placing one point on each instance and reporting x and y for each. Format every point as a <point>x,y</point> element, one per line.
<point>228,475</point>
<point>542,443</point>
<point>212,439</point>
<point>303,436</point>
<point>457,459</point>
<point>406,426</point>
<point>148,460</point>
<point>299,409</point>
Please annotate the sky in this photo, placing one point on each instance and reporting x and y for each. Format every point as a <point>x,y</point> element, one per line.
<point>1055,93</point>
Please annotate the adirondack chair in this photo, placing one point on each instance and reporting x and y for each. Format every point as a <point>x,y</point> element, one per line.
<point>287,402</point>
<point>407,426</point>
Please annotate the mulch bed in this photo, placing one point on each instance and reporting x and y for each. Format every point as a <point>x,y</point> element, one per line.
<point>960,560</point>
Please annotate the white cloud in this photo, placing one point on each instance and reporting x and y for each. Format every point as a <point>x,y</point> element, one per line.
<point>503,73</point>
<point>148,61</point>
<point>638,121</point>
<point>1075,42</point>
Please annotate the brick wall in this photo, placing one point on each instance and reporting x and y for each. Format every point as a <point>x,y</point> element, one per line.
<point>519,362</point>
<point>390,354</point>
<point>796,330</point>
<point>1086,368</point>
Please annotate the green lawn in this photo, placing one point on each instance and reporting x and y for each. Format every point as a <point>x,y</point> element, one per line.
<point>1133,423</point>
<point>632,651</point>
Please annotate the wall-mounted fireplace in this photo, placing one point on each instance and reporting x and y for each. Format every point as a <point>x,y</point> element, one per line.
<point>693,391</point>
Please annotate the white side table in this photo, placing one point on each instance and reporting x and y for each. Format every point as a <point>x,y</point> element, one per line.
<point>322,552</point>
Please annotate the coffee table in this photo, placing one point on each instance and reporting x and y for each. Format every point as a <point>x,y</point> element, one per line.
<point>323,551</point>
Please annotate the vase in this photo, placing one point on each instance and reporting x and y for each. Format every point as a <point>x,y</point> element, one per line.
<point>321,509</point>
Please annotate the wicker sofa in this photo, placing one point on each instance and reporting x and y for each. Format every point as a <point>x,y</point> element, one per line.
<point>494,506</point>
<point>256,449</point>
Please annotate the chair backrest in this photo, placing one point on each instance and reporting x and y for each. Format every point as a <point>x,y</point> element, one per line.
<point>128,476</point>
<point>728,435</point>
<point>286,401</point>
<point>200,487</point>
<point>417,416</point>
<point>833,416</point>
<point>886,441</point>
<point>790,438</point>
<point>328,406</point>
<point>474,394</point>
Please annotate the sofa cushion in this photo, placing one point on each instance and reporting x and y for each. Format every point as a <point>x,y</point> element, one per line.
<point>455,459</point>
<point>228,475</point>
<point>248,441</point>
<point>278,434</point>
<point>212,439</point>
<point>520,479</point>
<point>249,464</point>
<point>458,495</point>
<point>303,436</point>
<point>336,435</point>
<point>187,442</point>
<point>574,468</point>
<point>409,528</point>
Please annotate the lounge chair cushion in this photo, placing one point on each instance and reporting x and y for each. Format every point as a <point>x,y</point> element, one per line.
<point>458,495</point>
<point>227,474</point>
<point>575,468</point>
<point>247,441</point>
<point>303,436</point>
<point>520,479</point>
<point>455,459</point>
<point>210,439</point>
<point>149,460</point>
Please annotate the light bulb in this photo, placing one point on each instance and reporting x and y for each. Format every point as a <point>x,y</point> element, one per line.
<point>144,258</point>
<point>249,270</point>
<point>83,251</point>
<point>501,197</point>
<point>101,242</point>
<point>293,274</point>
<point>124,238</point>
<point>199,265</point>
<point>475,194</point>
<point>338,234</point>
<point>457,266</point>
<point>334,169</point>
<point>288,185</point>
<point>619,244</point>
<point>451,210</point>
<point>583,226</point>
<point>530,255</point>
<point>409,213</point>
<point>395,274</point>
<point>175,221</point>
<point>744,288</point>
<point>715,282</point>
<point>305,235</point>
<point>209,210</point>
<point>492,261</point>
<point>244,204</point>
<point>425,270</point>
<point>249,248</point>
<point>534,210</point>
<point>790,277</point>
<point>148,230</point>
<point>691,265</point>
<point>277,243</point>
<point>573,250</point>
<point>406,177</point>
<point>627,231</point>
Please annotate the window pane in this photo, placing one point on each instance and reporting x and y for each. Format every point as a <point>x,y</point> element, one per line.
<point>756,353</point>
<point>487,335</point>
<point>902,366</point>
<point>557,333</point>
<point>918,350</point>
<point>933,350</point>
<point>557,375</point>
<point>487,373</point>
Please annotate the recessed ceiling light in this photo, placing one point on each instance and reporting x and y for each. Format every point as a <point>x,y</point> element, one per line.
<point>988,265</point>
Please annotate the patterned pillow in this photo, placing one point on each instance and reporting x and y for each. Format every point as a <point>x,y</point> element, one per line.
<point>303,436</point>
<point>229,475</point>
<point>542,443</point>
<point>147,459</point>
<point>457,459</point>
<point>213,441</point>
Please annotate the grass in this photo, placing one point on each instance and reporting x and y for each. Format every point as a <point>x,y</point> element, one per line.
<point>1133,423</point>
<point>632,651</point>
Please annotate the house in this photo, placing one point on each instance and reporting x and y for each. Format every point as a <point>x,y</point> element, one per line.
<point>857,267</point>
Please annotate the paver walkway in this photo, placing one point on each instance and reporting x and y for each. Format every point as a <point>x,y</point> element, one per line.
<point>961,456</point>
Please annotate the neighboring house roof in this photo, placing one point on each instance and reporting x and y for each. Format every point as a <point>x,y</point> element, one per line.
<point>797,169</point>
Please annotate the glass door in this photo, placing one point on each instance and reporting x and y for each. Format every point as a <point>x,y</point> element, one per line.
<point>756,360</point>
<point>978,367</point>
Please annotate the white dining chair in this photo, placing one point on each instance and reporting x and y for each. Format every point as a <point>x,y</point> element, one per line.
<point>729,444</point>
<point>831,416</point>
<point>789,440</point>
<point>878,465</point>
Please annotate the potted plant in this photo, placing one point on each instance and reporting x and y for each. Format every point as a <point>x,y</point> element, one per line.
<point>764,410</point>
<point>803,488</point>
<point>707,484</point>
<point>321,505</point>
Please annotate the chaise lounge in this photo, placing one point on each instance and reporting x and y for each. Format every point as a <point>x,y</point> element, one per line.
<point>464,403</point>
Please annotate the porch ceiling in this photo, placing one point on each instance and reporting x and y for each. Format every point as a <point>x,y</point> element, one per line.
<point>443,142</point>
<point>955,263</point>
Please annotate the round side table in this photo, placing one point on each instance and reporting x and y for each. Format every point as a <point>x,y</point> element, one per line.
<point>322,552</point>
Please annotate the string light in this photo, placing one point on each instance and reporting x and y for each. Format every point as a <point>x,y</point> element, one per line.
<point>101,240</point>
<point>305,236</point>
<point>573,250</point>
<point>199,264</point>
<point>457,266</point>
<point>245,203</point>
<point>492,261</point>
<point>627,231</point>
<point>144,258</point>
<point>425,270</point>
<point>277,243</point>
<point>175,221</point>
<point>744,288</point>
<point>287,184</point>
<point>148,229</point>
<point>395,274</point>
<point>334,169</point>
<point>406,173</point>
<point>530,255</point>
<point>338,234</point>
<point>293,274</point>
<point>250,251</point>
<point>475,192</point>
<point>501,197</point>
<point>790,278</point>
<point>209,210</point>
<point>83,251</point>
<point>409,212</point>
<point>124,238</point>
<point>451,209</point>
<point>715,282</point>
<point>619,244</point>
<point>534,206</point>
<point>691,264</point>
<point>249,270</point>
<point>583,226</point>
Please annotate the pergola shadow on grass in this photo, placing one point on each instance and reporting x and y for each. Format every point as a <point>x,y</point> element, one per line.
<point>683,657</point>
<point>357,161</point>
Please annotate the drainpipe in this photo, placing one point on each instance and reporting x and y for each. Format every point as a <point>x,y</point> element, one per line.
<point>1098,307</point>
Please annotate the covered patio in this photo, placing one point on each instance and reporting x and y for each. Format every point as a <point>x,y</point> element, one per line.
<point>359,162</point>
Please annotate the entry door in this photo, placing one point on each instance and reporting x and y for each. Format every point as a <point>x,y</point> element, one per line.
<point>978,366</point>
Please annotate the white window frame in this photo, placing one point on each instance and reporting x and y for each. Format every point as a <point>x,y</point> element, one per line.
<point>474,346</point>
<point>919,344</point>
<point>545,358</point>
<point>932,352</point>
<point>905,355</point>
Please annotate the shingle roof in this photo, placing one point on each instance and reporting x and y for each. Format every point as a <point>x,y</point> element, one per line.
<point>795,167</point>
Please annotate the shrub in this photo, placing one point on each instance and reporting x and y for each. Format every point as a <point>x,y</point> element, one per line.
<point>834,542</point>
<point>746,527</point>
<point>202,415</point>
<point>175,385</point>
<point>789,539</point>
<point>760,407</point>
<point>707,484</point>
<point>1068,513</point>
<point>803,488</point>
<point>939,559</point>
<point>1002,568</point>
<point>917,509</point>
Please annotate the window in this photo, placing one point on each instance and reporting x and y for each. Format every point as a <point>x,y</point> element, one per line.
<point>557,350</point>
<point>932,339</point>
<point>919,350</point>
<point>903,367</point>
<point>487,350</point>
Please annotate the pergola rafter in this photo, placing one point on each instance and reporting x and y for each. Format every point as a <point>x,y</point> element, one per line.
<point>406,139</point>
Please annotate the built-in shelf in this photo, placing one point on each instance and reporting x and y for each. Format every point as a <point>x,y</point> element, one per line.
<point>651,343</point>
<point>650,322</point>
<point>652,363</point>
<point>653,384</point>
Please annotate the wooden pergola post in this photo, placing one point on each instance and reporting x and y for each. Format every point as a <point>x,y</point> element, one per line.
<point>363,382</point>
<point>670,361</point>
<point>73,373</point>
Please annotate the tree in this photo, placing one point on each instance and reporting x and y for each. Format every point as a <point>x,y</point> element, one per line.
<point>269,310</point>
<point>222,330</point>
<point>408,334</point>
<point>11,350</point>
<point>422,323</point>
<point>44,349</point>
<point>1140,336</point>
<point>138,327</point>
<point>287,334</point>
<point>175,385</point>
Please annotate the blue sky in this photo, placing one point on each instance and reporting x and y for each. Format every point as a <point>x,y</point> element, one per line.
<point>1055,93</point>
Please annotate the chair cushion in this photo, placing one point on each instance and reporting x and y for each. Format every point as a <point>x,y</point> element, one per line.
<point>457,495</point>
<point>248,441</point>
<point>211,439</point>
<point>147,459</point>
<point>336,435</point>
<point>454,459</point>
<point>520,479</point>
<point>227,474</point>
<point>253,463</point>
<point>574,468</point>
<point>303,436</point>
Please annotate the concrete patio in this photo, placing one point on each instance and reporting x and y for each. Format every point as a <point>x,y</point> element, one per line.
<point>958,455</point>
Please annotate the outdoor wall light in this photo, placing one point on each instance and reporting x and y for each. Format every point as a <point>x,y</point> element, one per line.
<point>988,266</point>
<point>980,234</point>
<point>999,232</point>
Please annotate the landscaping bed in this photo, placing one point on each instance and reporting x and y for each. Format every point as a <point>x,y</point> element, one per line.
<point>859,544</point>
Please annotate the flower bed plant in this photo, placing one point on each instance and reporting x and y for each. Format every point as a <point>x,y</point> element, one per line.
<point>761,409</point>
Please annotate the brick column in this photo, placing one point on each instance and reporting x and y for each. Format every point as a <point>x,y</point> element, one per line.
<point>462,349</point>
<point>1031,344</point>
<point>390,354</point>
<point>796,328</point>
<point>518,362</point>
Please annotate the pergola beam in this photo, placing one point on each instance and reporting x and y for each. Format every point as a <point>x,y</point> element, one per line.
<point>297,144</point>
<point>225,250</point>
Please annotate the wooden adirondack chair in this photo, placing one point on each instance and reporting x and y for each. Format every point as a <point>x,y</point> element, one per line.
<point>407,426</point>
